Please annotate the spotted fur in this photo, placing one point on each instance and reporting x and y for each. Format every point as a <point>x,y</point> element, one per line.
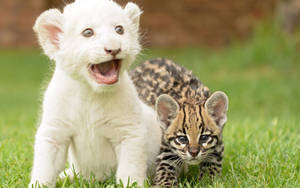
<point>192,119</point>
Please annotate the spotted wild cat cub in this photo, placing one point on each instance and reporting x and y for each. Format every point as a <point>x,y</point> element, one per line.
<point>192,119</point>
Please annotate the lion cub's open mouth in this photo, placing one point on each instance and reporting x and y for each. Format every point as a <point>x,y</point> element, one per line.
<point>106,72</point>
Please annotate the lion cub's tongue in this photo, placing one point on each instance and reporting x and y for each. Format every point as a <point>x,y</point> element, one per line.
<point>106,73</point>
<point>108,69</point>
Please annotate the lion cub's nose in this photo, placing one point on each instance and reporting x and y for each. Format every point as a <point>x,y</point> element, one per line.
<point>112,52</point>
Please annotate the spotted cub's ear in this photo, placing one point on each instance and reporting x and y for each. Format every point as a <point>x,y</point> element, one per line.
<point>166,108</point>
<point>48,27</point>
<point>217,106</point>
<point>133,12</point>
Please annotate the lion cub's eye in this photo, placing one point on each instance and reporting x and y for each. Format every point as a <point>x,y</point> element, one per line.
<point>119,29</point>
<point>182,139</point>
<point>88,32</point>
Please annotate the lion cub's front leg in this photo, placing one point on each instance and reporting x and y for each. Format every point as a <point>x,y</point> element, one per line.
<point>132,159</point>
<point>50,153</point>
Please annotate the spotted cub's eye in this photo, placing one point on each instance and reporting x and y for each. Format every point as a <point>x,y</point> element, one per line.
<point>182,139</point>
<point>204,138</point>
<point>88,32</point>
<point>119,29</point>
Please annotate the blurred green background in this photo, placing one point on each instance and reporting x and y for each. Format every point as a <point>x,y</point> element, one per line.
<point>259,70</point>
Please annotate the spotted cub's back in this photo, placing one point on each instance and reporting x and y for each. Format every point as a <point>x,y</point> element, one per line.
<point>191,117</point>
<point>162,76</point>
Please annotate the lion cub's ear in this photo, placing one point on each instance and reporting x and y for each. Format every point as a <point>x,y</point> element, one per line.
<point>134,13</point>
<point>166,109</point>
<point>217,107</point>
<point>48,27</point>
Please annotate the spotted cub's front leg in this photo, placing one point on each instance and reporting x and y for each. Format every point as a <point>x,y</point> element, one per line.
<point>166,174</point>
<point>212,168</point>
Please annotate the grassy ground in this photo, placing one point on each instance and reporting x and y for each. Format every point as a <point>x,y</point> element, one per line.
<point>262,136</point>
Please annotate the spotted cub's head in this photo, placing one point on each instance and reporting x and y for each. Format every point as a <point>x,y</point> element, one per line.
<point>93,41</point>
<point>193,131</point>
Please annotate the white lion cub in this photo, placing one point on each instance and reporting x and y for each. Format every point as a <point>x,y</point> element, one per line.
<point>91,111</point>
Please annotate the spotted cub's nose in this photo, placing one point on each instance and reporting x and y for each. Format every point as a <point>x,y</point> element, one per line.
<point>112,52</point>
<point>194,151</point>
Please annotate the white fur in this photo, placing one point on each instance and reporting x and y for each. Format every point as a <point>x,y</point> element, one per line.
<point>101,129</point>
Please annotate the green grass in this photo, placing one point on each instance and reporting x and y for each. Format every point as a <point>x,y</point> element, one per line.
<point>262,136</point>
